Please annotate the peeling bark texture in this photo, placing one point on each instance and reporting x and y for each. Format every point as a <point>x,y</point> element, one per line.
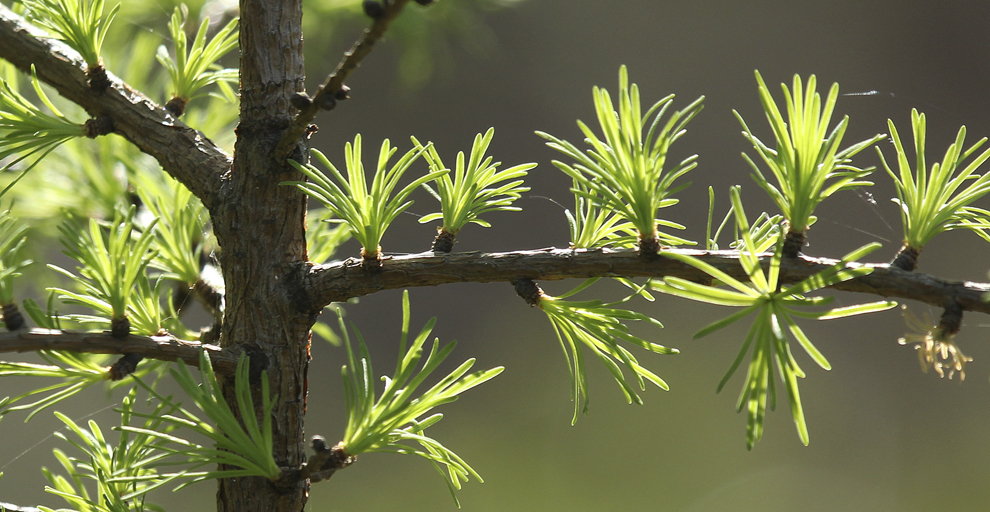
<point>184,153</point>
<point>260,228</point>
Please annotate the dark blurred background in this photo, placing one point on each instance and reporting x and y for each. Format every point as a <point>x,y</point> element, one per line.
<point>884,435</point>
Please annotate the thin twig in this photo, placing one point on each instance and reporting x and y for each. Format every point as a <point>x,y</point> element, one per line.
<point>326,95</point>
<point>166,348</point>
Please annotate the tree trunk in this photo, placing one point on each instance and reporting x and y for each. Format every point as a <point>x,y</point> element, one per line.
<point>260,227</point>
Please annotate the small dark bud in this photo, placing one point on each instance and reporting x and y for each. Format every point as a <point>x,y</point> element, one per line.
<point>301,100</point>
<point>793,243</point>
<point>176,106</point>
<point>906,259</point>
<point>342,95</point>
<point>319,444</point>
<point>444,242</point>
<point>97,77</point>
<point>96,126</point>
<point>12,317</point>
<point>124,366</point>
<point>425,2</point>
<point>327,101</point>
<point>529,291</point>
<point>120,328</point>
<point>373,9</point>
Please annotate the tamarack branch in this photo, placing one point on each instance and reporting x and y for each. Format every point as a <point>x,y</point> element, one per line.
<point>340,281</point>
<point>193,159</point>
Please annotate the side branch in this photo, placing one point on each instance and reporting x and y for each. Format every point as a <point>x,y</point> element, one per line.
<point>339,281</point>
<point>10,507</point>
<point>327,95</point>
<point>165,348</point>
<point>184,153</point>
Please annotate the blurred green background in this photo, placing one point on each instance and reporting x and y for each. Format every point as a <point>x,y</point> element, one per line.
<point>884,436</point>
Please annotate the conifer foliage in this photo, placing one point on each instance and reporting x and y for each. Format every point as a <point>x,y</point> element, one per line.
<point>159,215</point>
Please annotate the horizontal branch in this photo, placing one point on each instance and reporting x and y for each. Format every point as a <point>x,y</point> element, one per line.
<point>326,95</point>
<point>10,507</point>
<point>186,154</point>
<point>165,348</point>
<point>339,281</point>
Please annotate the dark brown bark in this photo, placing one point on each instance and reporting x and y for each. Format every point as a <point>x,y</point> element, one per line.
<point>120,328</point>
<point>793,243</point>
<point>210,298</point>
<point>165,348</point>
<point>529,291</point>
<point>272,293</point>
<point>186,154</point>
<point>333,87</point>
<point>339,281</point>
<point>444,242</point>
<point>312,287</point>
<point>12,317</point>
<point>260,228</point>
<point>906,258</point>
<point>649,247</point>
<point>951,319</point>
<point>124,366</point>
<point>176,106</point>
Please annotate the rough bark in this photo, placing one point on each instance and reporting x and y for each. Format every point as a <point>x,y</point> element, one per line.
<point>906,258</point>
<point>165,348</point>
<point>333,87</point>
<point>272,293</point>
<point>339,281</point>
<point>186,154</point>
<point>260,229</point>
<point>312,287</point>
